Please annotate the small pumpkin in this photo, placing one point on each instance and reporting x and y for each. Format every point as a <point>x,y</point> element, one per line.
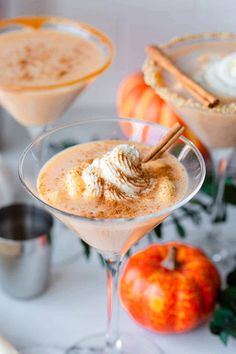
<point>135,99</point>
<point>169,288</point>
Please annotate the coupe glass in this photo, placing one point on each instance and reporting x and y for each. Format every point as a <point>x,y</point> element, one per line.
<point>36,107</point>
<point>112,238</point>
<point>215,127</point>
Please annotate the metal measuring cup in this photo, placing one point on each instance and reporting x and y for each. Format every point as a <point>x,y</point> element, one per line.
<point>25,250</point>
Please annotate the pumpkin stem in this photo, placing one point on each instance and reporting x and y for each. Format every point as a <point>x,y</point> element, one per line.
<point>170,262</point>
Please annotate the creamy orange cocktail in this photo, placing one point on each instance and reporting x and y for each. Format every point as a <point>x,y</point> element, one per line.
<point>106,179</point>
<point>45,63</point>
<point>210,59</point>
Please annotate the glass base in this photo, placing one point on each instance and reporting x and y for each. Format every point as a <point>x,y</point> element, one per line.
<point>131,343</point>
<point>218,251</point>
<point>219,247</point>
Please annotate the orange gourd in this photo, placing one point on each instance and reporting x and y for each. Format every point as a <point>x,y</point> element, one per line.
<point>168,291</point>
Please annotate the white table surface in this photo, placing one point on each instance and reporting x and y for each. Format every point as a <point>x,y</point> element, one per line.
<point>74,306</point>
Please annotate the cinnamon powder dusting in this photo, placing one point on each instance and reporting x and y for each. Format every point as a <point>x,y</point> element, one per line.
<point>42,57</point>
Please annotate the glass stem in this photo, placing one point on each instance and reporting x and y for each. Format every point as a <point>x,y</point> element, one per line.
<point>221,160</point>
<point>35,131</point>
<point>113,341</point>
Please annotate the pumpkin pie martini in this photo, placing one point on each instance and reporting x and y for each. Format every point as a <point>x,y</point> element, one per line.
<point>106,179</point>
<point>45,63</point>
<point>112,192</point>
<point>210,60</point>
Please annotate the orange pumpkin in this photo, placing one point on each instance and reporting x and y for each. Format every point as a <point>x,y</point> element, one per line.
<point>169,287</point>
<point>136,99</point>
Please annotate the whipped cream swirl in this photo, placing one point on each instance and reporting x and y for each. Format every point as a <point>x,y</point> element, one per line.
<point>219,76</point>
<point>117,175</point>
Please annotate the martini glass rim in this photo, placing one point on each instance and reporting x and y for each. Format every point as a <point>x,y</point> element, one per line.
<point>171,95</point>
<point>199,36</point>
<point>112,220</point>
<point>35,23</point>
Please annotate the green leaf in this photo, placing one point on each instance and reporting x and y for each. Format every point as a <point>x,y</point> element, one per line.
<point>128,253</point>
<point>224,336</point>
<point>205,207</point>
<point>57,147</point>
<point>158,231</point>
<point>227,298</point>
<point>230,194</point>
<point>179,227</point>
<point>208,186</point>
<point>221,217</point>
<point>231,278</point>
<point>223,323</point>
<point>86,249</point>
<point>232,331</point>
<point>222,317</point>
<point>101,259</point>
<point>194,215</point>
<point>68,143</point>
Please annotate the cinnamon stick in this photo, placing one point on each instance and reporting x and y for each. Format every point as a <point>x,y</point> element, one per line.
<point>202,95</point>
<point>165,143</point>
<point>169,144</point>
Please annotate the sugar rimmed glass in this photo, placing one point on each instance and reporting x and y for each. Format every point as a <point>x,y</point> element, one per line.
<point>215,127</point>
<point>112,238</point>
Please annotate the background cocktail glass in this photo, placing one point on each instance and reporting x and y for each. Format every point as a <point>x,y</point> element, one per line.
<point>37,107</point>
<point>215,127</point>
<point>112,238</point>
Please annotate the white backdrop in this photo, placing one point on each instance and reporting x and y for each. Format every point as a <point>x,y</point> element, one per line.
<point>132,24</point>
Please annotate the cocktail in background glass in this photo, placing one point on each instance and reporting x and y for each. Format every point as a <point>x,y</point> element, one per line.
<point>111,237</point>
<point>43,69</point>
<point>46,63</point>
<point>198,55</point>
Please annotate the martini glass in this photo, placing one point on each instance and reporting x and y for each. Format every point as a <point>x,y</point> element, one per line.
<point>112,238</point>
<point>37,107</point>
<point>215,127</point>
